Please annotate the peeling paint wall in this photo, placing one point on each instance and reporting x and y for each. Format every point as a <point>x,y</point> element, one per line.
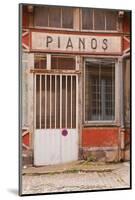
<point>25,75</point>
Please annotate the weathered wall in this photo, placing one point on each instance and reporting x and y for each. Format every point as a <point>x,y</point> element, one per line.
<point>99,137</point>
<point>95,143</point>
<point>100,143</point>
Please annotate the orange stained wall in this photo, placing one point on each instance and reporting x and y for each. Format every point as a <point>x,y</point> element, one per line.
<point>100,137</point>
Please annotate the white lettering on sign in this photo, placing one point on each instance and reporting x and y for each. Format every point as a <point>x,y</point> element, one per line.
<point>75,43</point>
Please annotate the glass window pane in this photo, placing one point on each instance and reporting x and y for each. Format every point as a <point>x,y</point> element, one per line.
<point>41,16</point>
<point>87,18</point>
<point>37,101</point>
<point>65,63</point>
<point>99,91</point>
<point>73,102</point>
<point>58,102</point>
<point>92,98</point>
<point>53,92</point>
<point>99,19</point>
<point>40,61</point>
<point>108,90</point>
<point>67,18</point>
<point>63,101</point>
<point>43,102</point>
<point>111,20</point>
<point>55,17</point>
<point>48,102</point>
<point>68,101</point>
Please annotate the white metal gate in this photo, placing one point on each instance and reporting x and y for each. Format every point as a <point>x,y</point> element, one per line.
<point>56,119</point>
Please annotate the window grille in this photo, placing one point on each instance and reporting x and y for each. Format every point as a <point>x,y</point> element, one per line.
<point>99,90</point>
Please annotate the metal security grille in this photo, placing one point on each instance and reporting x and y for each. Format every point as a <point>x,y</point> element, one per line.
<point>99,90</point>
<point>55,101</point>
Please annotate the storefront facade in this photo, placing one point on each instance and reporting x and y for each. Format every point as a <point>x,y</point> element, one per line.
<point>75,84</point>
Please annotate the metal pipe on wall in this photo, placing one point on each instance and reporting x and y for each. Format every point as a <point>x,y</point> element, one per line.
<point>122,128</point>
<point>122,134</point>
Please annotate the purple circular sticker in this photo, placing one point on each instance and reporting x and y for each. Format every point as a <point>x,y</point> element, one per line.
<point>64,132</point>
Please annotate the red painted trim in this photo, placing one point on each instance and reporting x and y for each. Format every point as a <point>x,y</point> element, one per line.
<point>26,139</point>
<point>30,39</point>
<point>126,44</point>
<point>25,39</point>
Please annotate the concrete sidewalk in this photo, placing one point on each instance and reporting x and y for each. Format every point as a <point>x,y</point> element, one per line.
<point>72,167</point>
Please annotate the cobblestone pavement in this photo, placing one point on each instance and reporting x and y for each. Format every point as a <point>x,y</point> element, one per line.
<point>118,178</point>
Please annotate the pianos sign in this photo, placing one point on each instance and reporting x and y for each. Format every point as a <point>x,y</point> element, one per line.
<point>71,43</point>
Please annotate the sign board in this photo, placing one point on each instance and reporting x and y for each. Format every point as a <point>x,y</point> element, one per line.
<point>74,43</point>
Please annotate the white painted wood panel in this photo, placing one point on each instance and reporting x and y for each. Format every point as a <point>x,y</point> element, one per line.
<point>51,147</point>
<point>69,145</point>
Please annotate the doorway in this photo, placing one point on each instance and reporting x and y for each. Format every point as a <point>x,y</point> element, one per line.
<point>55,118</point>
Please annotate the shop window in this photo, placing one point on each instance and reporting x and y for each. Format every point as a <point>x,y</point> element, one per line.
<point>61,62</point>
<point>40,61</point>
<point>99,19</point>
<point>99,91</point>
<point>56,17</point>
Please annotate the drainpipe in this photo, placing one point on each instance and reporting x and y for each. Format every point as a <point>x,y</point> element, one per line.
<point>122,123</point>
<point>122,145</point>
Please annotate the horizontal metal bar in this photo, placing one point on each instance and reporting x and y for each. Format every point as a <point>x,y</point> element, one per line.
<point>55,72</point>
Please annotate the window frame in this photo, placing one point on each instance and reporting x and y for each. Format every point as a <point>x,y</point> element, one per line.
<point>48,57</point>
<point>63,56</point>
<point>116,120</point>
<point>61,22</point>
<point>40,55</point>
<point>93,25</point>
